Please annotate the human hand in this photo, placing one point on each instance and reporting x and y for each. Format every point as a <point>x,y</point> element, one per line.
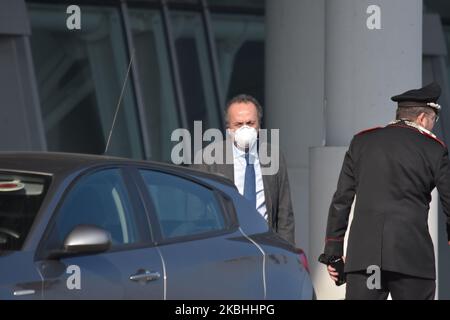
<point>333,273</point>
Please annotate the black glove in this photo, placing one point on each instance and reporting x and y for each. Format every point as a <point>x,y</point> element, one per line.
<point>337,263</point>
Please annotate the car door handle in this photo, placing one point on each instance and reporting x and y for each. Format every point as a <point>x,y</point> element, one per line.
<point>145,276</point>
<point>23,292</point>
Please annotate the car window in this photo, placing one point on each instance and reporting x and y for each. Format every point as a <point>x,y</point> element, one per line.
<point>21,197</point>
<point>183,207</point>
<point>101,200</point>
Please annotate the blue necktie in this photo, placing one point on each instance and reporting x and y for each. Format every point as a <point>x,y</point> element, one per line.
<point>250,181</point>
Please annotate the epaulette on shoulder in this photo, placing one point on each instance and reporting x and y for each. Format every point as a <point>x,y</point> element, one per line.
<point>368,130</point>
<point>434,138</point>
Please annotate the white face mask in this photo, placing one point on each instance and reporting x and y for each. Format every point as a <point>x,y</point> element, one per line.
<point>244,137</point>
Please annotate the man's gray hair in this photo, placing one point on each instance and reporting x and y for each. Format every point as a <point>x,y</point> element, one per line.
<point>411,113</point>
<point>244,98</point>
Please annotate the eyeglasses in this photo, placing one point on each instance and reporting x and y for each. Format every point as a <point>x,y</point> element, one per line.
<point>435,118</point>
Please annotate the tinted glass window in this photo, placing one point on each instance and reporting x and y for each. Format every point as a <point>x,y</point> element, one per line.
<point>195,71</point>
<point>101,200</point>
<point>183,207</point>
<point>152,60</point>
<point>80,74</point>
<point>20,199</point>
<point>240,41</point>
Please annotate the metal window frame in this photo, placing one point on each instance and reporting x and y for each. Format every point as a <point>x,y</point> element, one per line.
<point>39,141</point>
<point>205,9</point>
<point>212,53</point>
<point>202,7</point>
<point>248,11</point>
<point>136,85</point>
<point>174,66</point>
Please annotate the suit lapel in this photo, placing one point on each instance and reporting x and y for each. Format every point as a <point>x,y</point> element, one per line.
<point>227,169</point>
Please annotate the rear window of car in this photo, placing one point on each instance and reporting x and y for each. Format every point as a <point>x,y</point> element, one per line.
<point>21,196</point>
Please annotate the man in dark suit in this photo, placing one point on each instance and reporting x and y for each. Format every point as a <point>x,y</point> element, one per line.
<point>269,193</point>
<point>392,170</point>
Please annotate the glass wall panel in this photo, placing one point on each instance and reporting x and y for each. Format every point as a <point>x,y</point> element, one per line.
<point>155,78</point>
<point>195,69</point>
<point>240,51</point>
<point>80,74</point>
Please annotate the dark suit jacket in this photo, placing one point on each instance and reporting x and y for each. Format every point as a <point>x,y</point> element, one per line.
<point>393,171</point>
<point>276,192</point>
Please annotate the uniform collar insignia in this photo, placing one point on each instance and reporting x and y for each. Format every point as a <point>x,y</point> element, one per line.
<point>414,125</point>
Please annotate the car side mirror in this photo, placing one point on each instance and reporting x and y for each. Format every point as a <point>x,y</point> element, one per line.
<point>83,239</point>
<point>87,239</point>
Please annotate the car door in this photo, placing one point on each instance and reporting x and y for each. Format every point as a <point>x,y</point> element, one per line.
<point>205,254</point>
<point>131,268</point>
<point>21,196</point>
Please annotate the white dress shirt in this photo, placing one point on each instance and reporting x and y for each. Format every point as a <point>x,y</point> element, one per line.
<point>239,176</point>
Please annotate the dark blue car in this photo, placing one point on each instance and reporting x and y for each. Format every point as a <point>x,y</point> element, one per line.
<point>90,227</point>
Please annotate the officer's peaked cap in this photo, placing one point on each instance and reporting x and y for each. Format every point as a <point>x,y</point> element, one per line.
<point>424,97</point>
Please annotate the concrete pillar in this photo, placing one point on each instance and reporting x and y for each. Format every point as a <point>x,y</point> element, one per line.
<point>433,227</point>
<point>326,164</point>
<point>365,67</point>
<point>295,53</point>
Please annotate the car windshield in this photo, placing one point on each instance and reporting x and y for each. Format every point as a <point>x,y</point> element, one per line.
<point>21,196</point>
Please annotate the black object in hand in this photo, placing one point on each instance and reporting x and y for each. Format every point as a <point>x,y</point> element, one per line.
<point>338,264</point>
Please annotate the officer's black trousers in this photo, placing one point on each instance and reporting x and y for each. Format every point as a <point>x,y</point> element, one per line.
<point>400,286</point>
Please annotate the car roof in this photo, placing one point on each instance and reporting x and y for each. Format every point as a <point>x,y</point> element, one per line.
<point>61,163</point>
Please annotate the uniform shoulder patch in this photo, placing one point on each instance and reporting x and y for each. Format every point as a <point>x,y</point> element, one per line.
<point>368,130</point>
<point>434,138</point>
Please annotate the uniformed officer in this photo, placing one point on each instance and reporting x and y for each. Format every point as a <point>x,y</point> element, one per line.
<point>392,170</point>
